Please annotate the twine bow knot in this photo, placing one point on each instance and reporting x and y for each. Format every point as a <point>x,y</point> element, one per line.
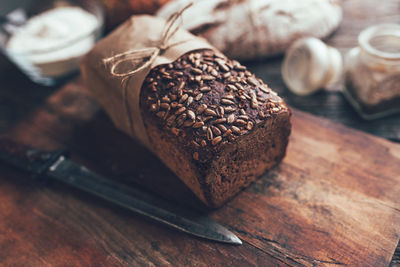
<point>133,61</point>
<point>129,63</point>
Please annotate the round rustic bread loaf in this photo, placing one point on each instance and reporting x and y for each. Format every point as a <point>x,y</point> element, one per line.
<point>248,29</point>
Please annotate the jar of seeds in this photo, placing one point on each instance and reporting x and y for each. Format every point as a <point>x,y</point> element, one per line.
<point>372,72</point>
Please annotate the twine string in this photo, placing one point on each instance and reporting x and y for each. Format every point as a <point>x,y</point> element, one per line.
<point>131,62</point>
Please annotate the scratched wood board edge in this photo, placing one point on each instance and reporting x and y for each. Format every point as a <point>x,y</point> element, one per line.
<point>322,121</point>
<point>344,130</point>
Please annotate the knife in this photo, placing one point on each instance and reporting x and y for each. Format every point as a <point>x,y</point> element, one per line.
<point>55,165</point>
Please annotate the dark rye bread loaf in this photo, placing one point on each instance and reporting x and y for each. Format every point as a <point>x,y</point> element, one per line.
<point>213,123</point>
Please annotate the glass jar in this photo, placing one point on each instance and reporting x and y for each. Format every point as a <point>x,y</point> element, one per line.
<point>372,72</point>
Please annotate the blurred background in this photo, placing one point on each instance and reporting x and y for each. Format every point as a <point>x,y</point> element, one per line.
<point>19,95</point>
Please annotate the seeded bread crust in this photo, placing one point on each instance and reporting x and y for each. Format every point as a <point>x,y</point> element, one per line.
<point>213,123</point>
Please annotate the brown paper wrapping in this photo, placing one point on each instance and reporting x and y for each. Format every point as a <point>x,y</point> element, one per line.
<point>121,61</point>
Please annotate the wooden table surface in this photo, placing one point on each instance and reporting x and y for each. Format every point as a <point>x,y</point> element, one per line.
<point>53,118</point>
<point>332,201</point>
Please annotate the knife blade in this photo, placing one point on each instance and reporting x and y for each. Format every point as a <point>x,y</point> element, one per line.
<point>55,165</point>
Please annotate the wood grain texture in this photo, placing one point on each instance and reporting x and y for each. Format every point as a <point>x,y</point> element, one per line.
<point>333,200</point>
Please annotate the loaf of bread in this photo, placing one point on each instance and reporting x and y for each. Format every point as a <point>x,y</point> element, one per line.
<point>209,119</point>
<point>214,124</point>
<point>250,29</point>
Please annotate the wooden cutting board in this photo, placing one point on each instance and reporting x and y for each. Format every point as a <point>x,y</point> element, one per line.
<point>334,200</point>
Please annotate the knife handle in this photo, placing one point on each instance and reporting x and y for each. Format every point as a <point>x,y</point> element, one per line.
<point>28,159</point>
